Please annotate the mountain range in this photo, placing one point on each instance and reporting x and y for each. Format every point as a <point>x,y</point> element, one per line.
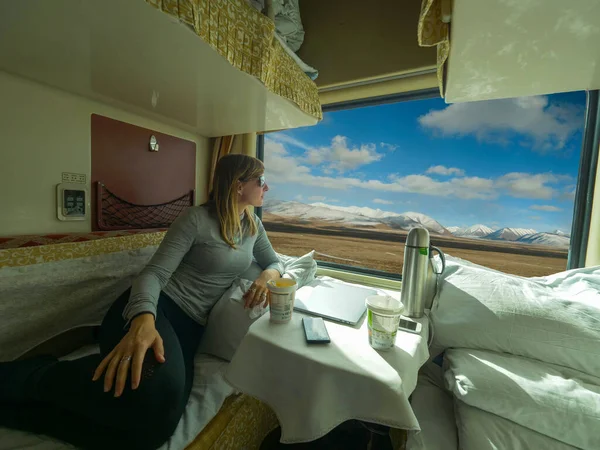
<point>369,217</point>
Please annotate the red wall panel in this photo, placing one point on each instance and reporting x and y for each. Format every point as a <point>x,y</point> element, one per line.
<point>121,159</point>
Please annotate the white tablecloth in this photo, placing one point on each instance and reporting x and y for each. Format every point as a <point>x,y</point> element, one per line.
<point>313,388</point>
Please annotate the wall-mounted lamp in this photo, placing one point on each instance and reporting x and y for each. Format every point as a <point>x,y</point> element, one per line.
<point>153,144</point>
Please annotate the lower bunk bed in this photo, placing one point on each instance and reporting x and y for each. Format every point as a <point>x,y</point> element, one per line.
<point>55,290</point>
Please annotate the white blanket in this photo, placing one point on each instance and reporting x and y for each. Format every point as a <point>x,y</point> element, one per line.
<point>481,430</point>
<point>314,388</point>
<point>558,402</point>
<point>209,391</point>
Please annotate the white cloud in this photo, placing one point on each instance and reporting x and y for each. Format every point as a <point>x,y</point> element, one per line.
<point>467,187</point>
<point>286,139</point>
<point>535,217</point>
<point>389,147</point>
<point>279,163</point>
<point>527,185</point>
<point>382,202</point>
<point>548,208</point>
<point>298,197</point>
<point>547,126</point>
<point>340,157</point>
<point>317,198</point>
<point>286,168</point>
<point>442,170</point>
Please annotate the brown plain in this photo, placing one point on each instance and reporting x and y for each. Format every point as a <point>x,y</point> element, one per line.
<point>383,249</point>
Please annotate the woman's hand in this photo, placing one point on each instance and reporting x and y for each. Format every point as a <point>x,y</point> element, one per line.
<point>130,353</point>
<point>257,293</point>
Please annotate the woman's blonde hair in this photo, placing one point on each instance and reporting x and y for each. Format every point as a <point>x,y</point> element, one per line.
<point>223,196</point>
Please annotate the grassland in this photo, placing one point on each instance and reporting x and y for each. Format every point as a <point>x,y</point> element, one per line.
<point>383,249</point>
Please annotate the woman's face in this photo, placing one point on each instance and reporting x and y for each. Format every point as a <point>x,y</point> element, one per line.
<point>253,191</point>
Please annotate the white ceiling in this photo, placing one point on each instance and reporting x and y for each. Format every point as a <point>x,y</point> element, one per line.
<point>128,54</point>
<point>513,48</point>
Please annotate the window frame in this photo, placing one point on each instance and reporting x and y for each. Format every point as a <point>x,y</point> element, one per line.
<point>584,194</point>
<point>586,183</point>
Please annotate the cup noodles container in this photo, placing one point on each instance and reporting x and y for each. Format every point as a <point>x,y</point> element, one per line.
<point>282,292</point>
<point>383,317</point>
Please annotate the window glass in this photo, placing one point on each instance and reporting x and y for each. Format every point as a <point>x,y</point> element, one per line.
<point>492,181</point>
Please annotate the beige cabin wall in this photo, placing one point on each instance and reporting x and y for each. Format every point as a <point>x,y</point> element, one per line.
<point>45,132</point>
<point>592,257</point>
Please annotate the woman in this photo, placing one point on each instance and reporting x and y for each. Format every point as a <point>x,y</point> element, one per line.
<point>133,394</point>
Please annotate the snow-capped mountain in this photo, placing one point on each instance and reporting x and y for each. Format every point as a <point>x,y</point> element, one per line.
<point>363,216</point>
<point>408,220</point>
<point>404,221</point>
<point>303,211</point>
<point>353,215</point>
<point>561,233</point>
<point>362,211</point>
<point>478,231</point>
<point>510,234</point>
<point>552,239</point>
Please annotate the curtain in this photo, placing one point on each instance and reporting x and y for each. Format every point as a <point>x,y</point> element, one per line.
<point>434,30</point>
<point>243,144</point>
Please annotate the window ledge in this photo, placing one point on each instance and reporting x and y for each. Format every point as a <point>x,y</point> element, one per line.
<point>367,280</point>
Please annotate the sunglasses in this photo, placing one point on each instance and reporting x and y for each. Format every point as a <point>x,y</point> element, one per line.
<point>261,180</point>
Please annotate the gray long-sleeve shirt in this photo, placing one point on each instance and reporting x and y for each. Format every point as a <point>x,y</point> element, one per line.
<point>194,265</point>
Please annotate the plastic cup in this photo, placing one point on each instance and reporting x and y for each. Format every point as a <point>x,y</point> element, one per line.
<point>383,318</point>
<point>283,294</point>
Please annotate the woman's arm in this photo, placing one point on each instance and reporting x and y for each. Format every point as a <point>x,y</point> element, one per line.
<point>272,267</point>
<point>155,276</point>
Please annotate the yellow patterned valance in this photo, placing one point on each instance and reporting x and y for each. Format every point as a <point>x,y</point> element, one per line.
<point>25,256</point>
<point>434,30</point>
<point>242,423</point>
<point>246,38</point>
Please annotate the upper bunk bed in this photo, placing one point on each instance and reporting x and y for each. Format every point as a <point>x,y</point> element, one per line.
<point>215,67</point>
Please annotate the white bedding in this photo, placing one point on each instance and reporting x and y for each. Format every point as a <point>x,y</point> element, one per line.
<point>558,402</point>
<point>209,391</point>
<point>434,407</point>
<point>481,430</point>
<point>555,319</point>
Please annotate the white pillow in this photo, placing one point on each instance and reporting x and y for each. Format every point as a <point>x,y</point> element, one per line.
<point>228,323</point>
<point>302,269</point>
<point>480,430</point>
<point>555,401</point>
<point>554,318</point>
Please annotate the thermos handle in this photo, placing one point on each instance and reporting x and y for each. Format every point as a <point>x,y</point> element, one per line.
<point>442,257</point>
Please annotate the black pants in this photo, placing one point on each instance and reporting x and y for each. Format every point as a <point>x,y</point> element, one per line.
<point>69,406</point>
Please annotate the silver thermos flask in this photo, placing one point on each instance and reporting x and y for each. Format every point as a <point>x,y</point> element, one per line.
<point>418,273</point>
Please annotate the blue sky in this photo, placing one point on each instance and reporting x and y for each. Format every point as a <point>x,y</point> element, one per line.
<point>510,162</point>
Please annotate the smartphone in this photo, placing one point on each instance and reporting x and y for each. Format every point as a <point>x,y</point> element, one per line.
<point>315,330</point>
<point>409,325</point>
